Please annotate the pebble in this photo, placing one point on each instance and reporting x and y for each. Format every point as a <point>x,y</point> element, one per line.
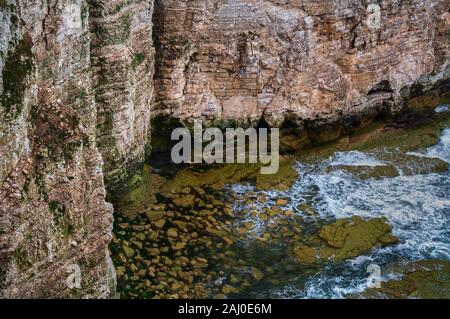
<point>129,252</point>
<point>257,274</point>
<point>172,232</point>
<point>159,224</point>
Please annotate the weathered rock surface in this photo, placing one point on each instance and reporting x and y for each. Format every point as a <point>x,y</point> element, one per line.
<point>426,279</point>
<point>75,84</point>
<point>242,59</point>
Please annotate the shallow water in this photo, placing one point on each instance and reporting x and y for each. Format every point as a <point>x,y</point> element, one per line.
<point>417,207</point>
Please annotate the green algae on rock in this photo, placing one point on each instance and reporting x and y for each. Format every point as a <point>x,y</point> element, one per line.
<point>166,250</point>
<point>219,176</point>
<point>425,279</point>
<point>344,239</point>
<point>365,172</point>
<point>413,132</point>
<point>414,164</point>
<point>18,65</point>
<point>395,164</point>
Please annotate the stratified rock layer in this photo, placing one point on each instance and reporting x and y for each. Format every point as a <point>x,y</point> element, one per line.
<point>344,239</point>
<point>328,60</point>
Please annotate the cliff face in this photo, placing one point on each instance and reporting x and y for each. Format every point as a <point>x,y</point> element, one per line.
<point>76,84</point>
<point>122,63</point>
<point>242,59</point>
<point>76,97</point>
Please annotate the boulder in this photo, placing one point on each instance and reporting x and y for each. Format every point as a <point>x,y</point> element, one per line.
<point>344,239</point>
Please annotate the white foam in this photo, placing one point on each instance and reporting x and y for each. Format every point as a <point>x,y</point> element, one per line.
<point>442,108</point>
<point>442,150</point>
<point>355,158</point>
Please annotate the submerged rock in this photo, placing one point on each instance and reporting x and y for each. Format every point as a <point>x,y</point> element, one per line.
<point>411,164</point>
<point>366,172</point>
<point>129,252</point>
<point>220,175</point>
<point>426,279</point>
<point>257,274</point>
<point>344,239</point>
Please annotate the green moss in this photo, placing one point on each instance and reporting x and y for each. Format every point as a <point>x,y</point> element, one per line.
<point>142,189</point>
<point>58,210</point>
<point>39,180</point>
<point>126,27</point>
<point>138,58</point>
<point>53,205</point>
<point>21,257</point>
<point>84,14</point>
<point>282,180</point>
<point>3,4</point>
<point>379,136</point>
<point>18,65</point>
<point>429,101</point>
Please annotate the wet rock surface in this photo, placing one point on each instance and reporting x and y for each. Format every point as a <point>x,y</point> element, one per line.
<point>181,245</point>
<point>212,240</point>
<point>170,243</point>
<point>427,279</point>
<point>344,239</point>
<point>77,97</point>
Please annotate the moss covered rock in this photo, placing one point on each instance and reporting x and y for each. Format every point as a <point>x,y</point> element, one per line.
<point>344,239</point>
<point>366,172</point>
<point>142,193</point>
<point>426,279</point>
<point>219,176</point>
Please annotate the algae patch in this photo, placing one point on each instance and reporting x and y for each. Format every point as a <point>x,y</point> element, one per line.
<point>142,192</point>
<point>219,176</point>
<point>344,239</point>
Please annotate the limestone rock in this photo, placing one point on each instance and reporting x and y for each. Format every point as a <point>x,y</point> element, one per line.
<point>313,60</point>
<point>345,239</point>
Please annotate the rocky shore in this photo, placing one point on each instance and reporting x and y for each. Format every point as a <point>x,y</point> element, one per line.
<point>189,235</point>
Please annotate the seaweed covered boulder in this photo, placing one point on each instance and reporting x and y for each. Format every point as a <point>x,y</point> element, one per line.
<point>219,176</point>
<point>344,239</point>
<point>425,279</point>
<point>364,172</point>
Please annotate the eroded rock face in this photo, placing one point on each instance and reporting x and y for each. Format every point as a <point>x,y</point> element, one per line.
<point>426,279</point>
<point>75,75</point>
<point>76,85</point>
<point>326,60</point>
